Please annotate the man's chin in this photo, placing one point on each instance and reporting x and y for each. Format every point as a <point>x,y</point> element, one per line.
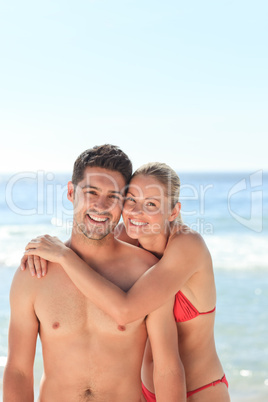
<point>93,232</point>
<point>97,233</point>
<point>91,236</point>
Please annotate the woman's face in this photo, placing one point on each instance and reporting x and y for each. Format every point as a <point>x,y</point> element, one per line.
<point>147,209</point>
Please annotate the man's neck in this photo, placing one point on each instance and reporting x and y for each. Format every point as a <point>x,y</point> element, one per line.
<point>89,249</point>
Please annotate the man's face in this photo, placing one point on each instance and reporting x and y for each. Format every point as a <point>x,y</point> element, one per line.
<point>97,201</point>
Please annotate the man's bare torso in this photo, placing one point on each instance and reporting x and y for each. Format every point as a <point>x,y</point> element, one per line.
<point>87,357</point>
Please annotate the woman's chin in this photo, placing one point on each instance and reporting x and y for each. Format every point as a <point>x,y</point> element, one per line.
<point>133,234</point>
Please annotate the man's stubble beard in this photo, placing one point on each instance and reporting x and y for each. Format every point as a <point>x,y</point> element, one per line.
<point>96,233</point>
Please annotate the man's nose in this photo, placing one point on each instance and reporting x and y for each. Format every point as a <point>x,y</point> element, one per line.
<point>101,204</point>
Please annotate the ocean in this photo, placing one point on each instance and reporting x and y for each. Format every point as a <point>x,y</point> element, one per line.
<point>230,210</point>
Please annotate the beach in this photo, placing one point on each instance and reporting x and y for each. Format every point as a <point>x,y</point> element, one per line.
<point>229,210</point>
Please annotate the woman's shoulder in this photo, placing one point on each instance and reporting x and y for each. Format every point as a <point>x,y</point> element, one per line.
<point>185,238</point>
<point>182,232</point>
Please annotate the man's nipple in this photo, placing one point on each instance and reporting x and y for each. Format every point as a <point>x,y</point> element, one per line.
<point>121,328</point>
<point>55,325</point>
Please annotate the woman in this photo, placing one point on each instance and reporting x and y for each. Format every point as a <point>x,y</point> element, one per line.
<point>152,220</point>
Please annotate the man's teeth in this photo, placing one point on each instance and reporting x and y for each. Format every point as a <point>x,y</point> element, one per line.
<point>97,218</point>
<point>137,223</point>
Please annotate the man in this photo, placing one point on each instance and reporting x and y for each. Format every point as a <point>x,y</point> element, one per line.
<point>86,355</point>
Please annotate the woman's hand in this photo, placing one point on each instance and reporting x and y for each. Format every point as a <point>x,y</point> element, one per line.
<point>36,265</point>
<point>47,248</point>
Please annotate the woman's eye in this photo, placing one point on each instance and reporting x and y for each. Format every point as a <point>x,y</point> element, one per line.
<point>130,199</point>
<point>151,204</point>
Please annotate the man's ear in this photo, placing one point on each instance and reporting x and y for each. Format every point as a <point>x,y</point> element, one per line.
<point>175,212</point>
<point>71,191</point>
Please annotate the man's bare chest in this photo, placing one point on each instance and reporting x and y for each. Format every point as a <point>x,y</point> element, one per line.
<point>62,309</point>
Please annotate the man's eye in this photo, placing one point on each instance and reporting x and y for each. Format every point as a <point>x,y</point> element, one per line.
<point>91,192</point>
<point>115,197</point>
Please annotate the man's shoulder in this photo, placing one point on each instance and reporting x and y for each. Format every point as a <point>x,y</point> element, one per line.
<point>137,255</point>
<point>23,280</point>
<point>23,284</point>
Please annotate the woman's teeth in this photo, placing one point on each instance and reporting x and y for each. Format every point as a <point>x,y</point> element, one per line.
<point>137,223</point>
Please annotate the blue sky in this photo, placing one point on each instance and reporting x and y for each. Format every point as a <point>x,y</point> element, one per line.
<point>184,82</point>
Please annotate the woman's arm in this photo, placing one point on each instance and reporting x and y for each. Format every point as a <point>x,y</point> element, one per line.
<point>168,370</point>
<point>183,256</point>
<point>38,266</point>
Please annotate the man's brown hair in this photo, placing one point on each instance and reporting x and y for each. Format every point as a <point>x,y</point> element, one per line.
<point>105,156</point>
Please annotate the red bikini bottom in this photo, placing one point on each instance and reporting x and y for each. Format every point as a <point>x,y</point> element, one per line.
<point>223,379</point>
<point>150,397</point>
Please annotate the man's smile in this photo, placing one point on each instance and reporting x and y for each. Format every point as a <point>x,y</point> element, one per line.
<point>97,218</point>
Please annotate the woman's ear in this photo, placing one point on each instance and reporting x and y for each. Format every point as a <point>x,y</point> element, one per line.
<point>175,212</point>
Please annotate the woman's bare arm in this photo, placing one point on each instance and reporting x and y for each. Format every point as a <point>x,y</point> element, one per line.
<point>181,259</point>
<point>38,266</point>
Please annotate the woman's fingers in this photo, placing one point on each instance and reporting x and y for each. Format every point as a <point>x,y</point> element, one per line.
<point>43,266</point>
<point>36,242</point>
<point>30,245</point>
<point>46,247</point>
<point>37,266</point>
<point>32,256</point>
<point>39,241</point>
<point>23,262</point>
<point>31,265</point>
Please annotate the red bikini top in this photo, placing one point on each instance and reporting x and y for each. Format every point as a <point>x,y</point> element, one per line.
<point>184,310</point>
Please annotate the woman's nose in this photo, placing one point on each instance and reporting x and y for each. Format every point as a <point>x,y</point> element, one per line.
<point>137,209</point>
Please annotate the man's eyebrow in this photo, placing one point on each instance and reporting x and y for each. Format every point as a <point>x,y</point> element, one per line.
<point>89,186</point>
<point>99,189</point>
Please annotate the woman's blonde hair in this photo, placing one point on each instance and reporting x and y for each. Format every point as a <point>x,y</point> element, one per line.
<point>167,177</point>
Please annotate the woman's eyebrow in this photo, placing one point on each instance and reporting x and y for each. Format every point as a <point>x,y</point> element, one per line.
<point>154,198</point>
<point>147,198</point>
